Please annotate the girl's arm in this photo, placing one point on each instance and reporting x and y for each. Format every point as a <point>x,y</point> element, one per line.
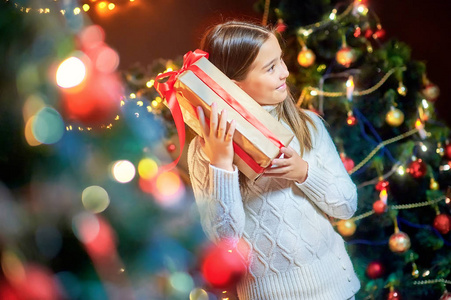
<point>217,196</point>
<point>328,184</point>
<point>215,179</point>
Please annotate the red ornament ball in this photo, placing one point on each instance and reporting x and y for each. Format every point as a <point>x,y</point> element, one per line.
<point>171,148</point>
<point>382,185</point>
<point>345,56</point>
<point>417,168</point>
<point>368,33</point>
<point>448,150</point>
<point>399,242</point>
<point>442,223</point>
<point>281,26</point>
<point>446,296</point>
<point>348,163</point>
<point>351,120</point>
<point>375,270</point>
<point>394,295</point>
<point>431,92</point>
<point>379,207</point>
<point>222,268</point>
<point>379,34</point>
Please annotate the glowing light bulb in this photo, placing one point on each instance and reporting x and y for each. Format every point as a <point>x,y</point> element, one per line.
<point>77,10</point>
<point>362,9</point>
<point>86,7</point>
<point>111,6</point>
<point>424,103</point>
<point>150,83</point>
<point>70,72</point>
<point>314,93</point>
<point>401,171</point>
<point>333,14</point>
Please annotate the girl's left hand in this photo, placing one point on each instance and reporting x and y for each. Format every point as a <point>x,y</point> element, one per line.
<point>291,166</point>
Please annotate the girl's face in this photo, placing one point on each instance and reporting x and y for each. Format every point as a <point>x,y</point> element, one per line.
<point>265,81</point>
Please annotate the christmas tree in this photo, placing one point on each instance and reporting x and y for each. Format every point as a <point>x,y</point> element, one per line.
<point>379,104</point>
<point>85,214</point>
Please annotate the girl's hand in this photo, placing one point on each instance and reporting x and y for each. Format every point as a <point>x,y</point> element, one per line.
<point>216,139</point>
<point>291,167</point>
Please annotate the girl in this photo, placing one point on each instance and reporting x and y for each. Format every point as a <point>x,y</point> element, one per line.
<point>278,223</point>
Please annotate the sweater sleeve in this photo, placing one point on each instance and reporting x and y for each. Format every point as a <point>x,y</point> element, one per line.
<point>218,197</point>
<point>328,184</point>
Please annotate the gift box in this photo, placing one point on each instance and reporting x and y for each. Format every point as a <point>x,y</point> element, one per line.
<point>258,136</point>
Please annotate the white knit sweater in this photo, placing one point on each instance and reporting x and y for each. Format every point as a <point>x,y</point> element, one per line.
<point>280,226</point>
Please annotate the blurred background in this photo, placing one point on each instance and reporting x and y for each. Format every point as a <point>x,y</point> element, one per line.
<point>85,212</point>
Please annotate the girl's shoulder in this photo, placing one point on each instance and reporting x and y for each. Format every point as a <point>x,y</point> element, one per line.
<point>317,119</point>
<point>318,122</point>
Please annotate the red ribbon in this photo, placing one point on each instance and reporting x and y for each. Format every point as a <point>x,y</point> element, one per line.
<point>167,90</point>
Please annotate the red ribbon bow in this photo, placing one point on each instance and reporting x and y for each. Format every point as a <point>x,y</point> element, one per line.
<point>166,90</point>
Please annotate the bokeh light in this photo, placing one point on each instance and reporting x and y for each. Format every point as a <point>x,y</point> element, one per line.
<point>123,171</point>
<point>107,60</point>
<point>198,294</point>
<point>181,282</point>
<point>85,226</point>
<point>49,241</point>
<point>222,268</point>
<point>32,105</point>
<point>96,234</point>
<point>147,168</point>
<point>71,72</point>
<point>95,199</point>
<point>92,36</point>
<point>168,184</point>
<point>47,126</point>
<point>28,78</point>
<point>29,136</point>
<point>167,188</point>
<point>12,267</point>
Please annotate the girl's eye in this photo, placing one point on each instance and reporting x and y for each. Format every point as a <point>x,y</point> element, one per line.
<point>271,68</point>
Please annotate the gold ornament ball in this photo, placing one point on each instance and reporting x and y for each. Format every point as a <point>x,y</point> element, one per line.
<point>399,242</point>
<point>306,57</point>
<point>394,117</point>
<point>434,185</point>
<point>431,92</point>
<point>345,56</point>
<point>346,227</point>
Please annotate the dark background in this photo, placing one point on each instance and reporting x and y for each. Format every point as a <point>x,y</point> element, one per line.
<point>143,31</point>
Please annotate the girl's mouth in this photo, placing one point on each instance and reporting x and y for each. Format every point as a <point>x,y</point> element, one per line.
<point>282,87</point>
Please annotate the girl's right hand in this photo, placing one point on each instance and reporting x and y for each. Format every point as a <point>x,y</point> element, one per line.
<point>216,139</point>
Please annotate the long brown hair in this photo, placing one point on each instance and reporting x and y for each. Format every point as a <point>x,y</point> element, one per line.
<point>233,47</point>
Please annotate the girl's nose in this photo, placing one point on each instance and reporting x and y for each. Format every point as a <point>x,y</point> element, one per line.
<point>284,71</point>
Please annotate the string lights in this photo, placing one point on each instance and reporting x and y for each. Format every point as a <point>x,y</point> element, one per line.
<point>313,91</point>
<point>57,6</point>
